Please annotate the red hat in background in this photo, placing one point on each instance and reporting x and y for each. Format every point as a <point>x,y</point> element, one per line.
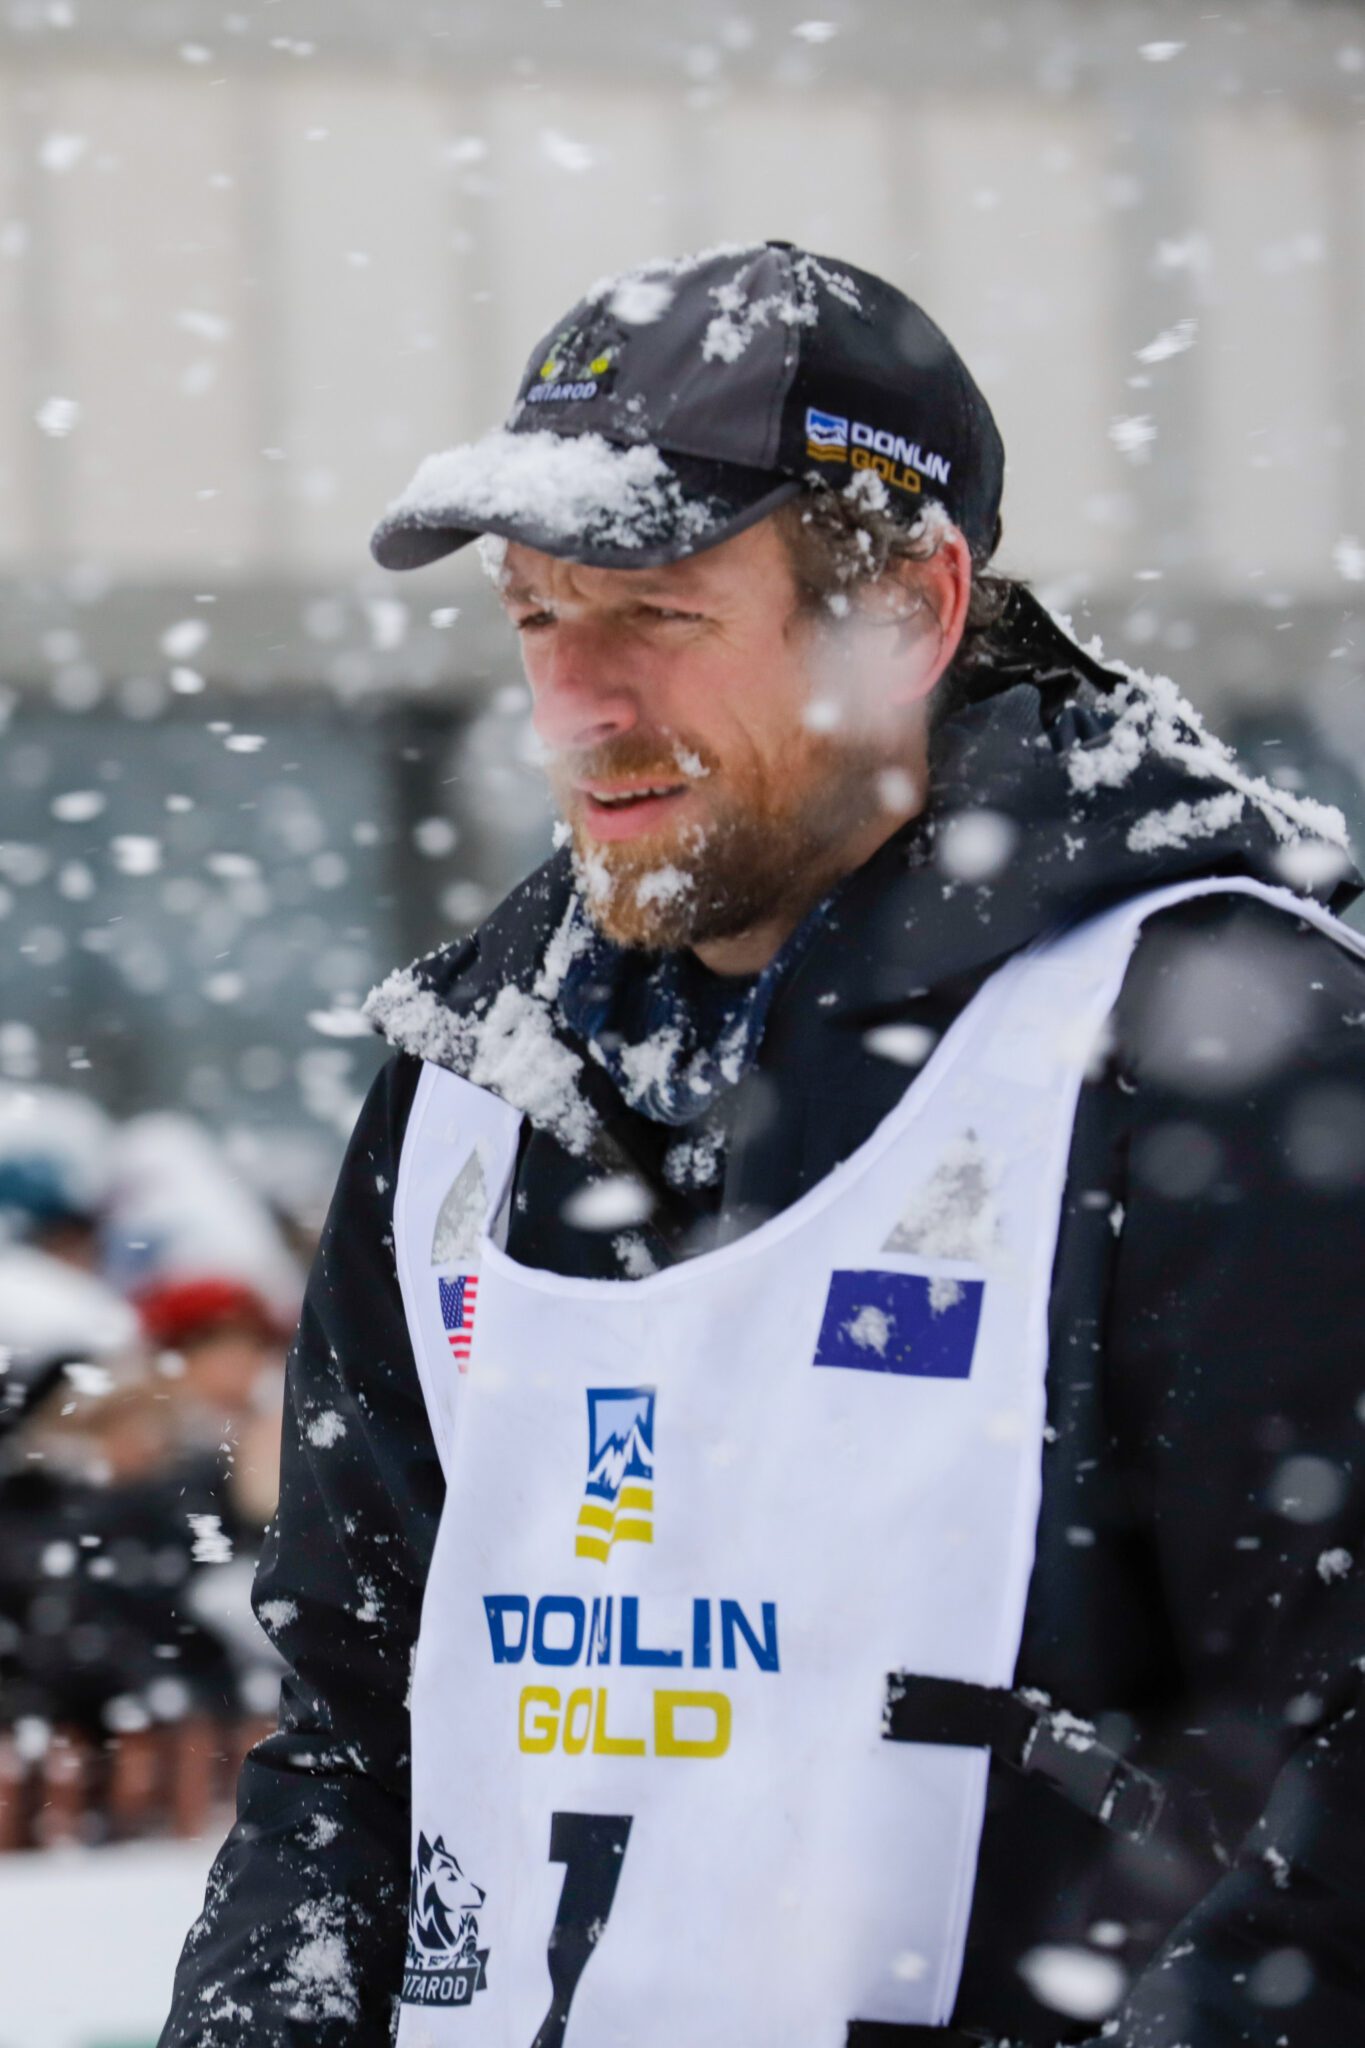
<point>177,1311</point>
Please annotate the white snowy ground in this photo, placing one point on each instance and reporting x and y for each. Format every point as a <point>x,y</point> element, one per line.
<point>90,1939</point>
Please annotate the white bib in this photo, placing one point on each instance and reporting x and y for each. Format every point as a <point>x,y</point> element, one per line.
<point>694,1521</point>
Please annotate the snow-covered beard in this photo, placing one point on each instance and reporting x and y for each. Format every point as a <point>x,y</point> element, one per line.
<point>768,844</point>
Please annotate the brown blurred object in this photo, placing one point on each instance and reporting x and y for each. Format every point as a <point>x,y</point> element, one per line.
<point>177,1781</point>
<point>13,1805</point>
<point>111,1438</point>
<point>74,1240</point>
<point>224,1381</point>
<point>224,1362</point>
<point>256,1475</point>
<point>65,1786</point>
<point>135,1769</point>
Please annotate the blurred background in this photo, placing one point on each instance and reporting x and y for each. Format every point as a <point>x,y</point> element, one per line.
<point>255,262</point>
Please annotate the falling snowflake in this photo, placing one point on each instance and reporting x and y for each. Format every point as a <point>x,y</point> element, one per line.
<point>564,153</point>
<point>58,417</point>
<point>1348,559</point>
<point>1134,436</point>
<point>1173,341</point>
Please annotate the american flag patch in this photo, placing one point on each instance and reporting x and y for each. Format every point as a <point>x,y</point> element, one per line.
<point>459,1298</point>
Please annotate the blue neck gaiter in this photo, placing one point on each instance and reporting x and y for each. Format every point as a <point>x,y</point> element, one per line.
<point>672,1035</point>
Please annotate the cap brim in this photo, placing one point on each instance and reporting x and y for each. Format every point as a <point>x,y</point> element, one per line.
<point>576,496</point>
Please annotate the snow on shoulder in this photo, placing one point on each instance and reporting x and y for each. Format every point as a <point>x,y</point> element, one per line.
<point>1152,716</point>
<point>510,1048</point>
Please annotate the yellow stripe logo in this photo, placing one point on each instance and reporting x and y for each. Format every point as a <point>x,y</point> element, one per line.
<point>618,1493</point>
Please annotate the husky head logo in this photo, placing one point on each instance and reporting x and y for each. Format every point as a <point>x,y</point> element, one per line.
<point>443,1908</point>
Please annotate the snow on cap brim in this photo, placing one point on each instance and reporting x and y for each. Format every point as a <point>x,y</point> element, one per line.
<point>574,495</point>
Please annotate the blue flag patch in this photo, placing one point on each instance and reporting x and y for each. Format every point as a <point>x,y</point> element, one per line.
<point>908,1323</point>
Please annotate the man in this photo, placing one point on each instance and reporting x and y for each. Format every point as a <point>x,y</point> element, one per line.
<point>873,1431</point>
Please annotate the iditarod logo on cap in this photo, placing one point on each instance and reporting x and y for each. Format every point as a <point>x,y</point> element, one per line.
<point>618,1493</point>
<point>576,368</point>
<point>444,1963</point>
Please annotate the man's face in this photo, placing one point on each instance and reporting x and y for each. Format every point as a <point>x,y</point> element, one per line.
<point>705,744</point>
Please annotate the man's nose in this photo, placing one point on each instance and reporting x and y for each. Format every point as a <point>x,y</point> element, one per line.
<point>579,697</point>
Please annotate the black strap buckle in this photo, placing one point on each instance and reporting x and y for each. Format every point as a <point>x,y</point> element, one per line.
<point>1070,1756</point>
<point>1032,1737</point>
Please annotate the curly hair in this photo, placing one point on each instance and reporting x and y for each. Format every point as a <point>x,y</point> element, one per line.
<point>837,540</point>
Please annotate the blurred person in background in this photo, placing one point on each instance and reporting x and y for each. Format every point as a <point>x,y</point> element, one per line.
<point>821,1496</point>
<point>135,1482</point>
<point>207,1266</point>
<point>55,1162</point>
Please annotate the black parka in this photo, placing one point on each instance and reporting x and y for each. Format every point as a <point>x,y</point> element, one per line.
<point>1199,1590</point>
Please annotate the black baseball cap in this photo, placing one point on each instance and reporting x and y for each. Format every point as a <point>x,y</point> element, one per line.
<point>683,401</point>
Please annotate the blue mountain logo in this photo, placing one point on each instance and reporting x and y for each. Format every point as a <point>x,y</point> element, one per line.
<point>618,1493</point>
<point>826,435</point>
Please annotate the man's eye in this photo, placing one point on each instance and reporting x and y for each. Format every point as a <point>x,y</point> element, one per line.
<point>668,614</point>
<point>533,622</point>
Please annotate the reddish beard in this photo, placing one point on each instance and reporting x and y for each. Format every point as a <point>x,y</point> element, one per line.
<point>767,841</point>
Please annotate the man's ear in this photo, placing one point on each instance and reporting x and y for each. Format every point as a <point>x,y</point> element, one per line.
<point>927,601</point>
